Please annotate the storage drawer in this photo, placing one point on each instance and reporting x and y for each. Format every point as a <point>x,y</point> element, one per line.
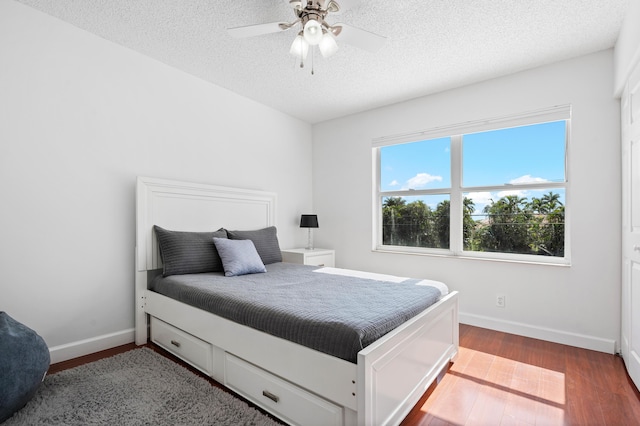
<point>320,260</point>
<point>195,351</point>
<point>291,403</point>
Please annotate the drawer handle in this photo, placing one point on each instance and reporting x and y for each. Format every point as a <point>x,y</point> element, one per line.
<point>322,264</point>
<point>175,343</point>
<point>274,398</point>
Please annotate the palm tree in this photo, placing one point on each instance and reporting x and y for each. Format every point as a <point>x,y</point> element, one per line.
<point>508,219</point>
<point>537,206</point>
<point>391,217</point>
<point>394,202</point>
<point>550,202</point>
<point>442,223</point>
<point>468,224</point>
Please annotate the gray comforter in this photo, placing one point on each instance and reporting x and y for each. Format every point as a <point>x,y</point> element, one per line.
<point>334,314</point>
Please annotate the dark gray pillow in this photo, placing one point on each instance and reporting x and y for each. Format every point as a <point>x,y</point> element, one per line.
<point>239,257</point>
<point>189,252</point>
<point>265,240</point>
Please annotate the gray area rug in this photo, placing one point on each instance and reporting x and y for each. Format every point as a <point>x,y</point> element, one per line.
<point>139,387</point>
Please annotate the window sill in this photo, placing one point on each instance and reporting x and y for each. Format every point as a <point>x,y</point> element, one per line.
<point>450,255</point>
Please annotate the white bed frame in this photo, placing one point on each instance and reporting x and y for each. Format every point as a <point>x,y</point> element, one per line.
<point>311,387</point>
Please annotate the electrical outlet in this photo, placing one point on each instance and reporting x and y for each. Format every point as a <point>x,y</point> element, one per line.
<point>500,300</point>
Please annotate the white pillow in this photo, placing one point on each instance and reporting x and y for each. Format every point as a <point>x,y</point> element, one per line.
<point>239,257</point>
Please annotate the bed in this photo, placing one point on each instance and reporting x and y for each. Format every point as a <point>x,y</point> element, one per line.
<point>376,385</point>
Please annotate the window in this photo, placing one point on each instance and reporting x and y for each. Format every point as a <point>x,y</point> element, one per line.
<point>496,188</point>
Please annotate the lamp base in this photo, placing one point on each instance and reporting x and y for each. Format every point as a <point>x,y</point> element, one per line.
<point>309,241</point>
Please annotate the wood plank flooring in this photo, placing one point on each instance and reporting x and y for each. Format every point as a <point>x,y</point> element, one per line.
<point>504,379</point>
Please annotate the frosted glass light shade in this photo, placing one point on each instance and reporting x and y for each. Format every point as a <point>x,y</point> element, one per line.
<point>328,45</point>
<point>299,47</point>
<point>312,32</point>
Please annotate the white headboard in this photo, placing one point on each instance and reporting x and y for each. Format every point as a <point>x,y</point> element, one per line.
<point>184,206</point>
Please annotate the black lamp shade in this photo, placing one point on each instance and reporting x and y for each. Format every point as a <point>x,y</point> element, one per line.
<point>309,221</point>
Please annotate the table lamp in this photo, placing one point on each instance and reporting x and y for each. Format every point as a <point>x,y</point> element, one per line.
<point>309,221</point>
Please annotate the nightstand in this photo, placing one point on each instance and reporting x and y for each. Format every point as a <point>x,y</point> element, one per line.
<point>316,256</point>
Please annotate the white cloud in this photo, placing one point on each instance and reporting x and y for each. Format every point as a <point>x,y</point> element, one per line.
<point>421,180</point>
<point>394,183</point>
<point>527,179</point>
<point>519,192</point>
<point>480,197</point>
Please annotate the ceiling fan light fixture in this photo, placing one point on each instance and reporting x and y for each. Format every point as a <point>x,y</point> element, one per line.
<point>313,32</point>
<point>299,47</point>
<point>296,4</point>
<point>336,30</point>
<point>328,45</point>
<point>333,7</point>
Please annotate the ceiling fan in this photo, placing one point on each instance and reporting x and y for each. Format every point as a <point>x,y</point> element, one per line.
<point>314,30</point>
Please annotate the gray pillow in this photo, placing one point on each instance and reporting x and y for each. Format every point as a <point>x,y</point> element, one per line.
<point>189,252</point>
<point>265,240</point>
<point>239,257</point>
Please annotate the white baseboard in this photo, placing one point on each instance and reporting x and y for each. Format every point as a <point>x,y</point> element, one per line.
<point>541,333</point>
<point>107,341</point>
<point>92,345</point>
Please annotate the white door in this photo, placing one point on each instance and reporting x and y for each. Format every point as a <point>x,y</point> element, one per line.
<point>630,110</point>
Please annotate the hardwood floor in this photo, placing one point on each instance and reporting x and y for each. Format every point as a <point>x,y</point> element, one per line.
<point>64,365</point>
<point>503,379</point>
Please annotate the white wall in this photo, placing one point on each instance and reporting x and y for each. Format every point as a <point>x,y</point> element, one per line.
<point>80,118</point>
<point>627,50</point>
<point>577,305</point>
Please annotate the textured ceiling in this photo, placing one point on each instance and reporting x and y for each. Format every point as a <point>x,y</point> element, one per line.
<point>432,45</point>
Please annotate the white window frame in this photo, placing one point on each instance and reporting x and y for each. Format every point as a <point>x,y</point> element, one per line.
<point>456,191</point>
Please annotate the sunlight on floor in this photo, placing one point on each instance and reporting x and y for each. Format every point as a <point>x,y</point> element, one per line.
<point>489,387</point>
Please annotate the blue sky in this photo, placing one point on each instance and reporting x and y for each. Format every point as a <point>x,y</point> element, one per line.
<point>512,156</point>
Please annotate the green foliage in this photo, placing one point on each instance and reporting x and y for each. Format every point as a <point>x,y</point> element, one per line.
<point>407,224</point>
<point>511,224</point>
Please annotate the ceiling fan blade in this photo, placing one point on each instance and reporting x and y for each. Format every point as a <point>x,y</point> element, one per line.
<point>258,29</point>
<point>360,38</point>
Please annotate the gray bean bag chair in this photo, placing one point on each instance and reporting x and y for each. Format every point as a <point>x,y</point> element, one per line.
<point>24,361</point>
